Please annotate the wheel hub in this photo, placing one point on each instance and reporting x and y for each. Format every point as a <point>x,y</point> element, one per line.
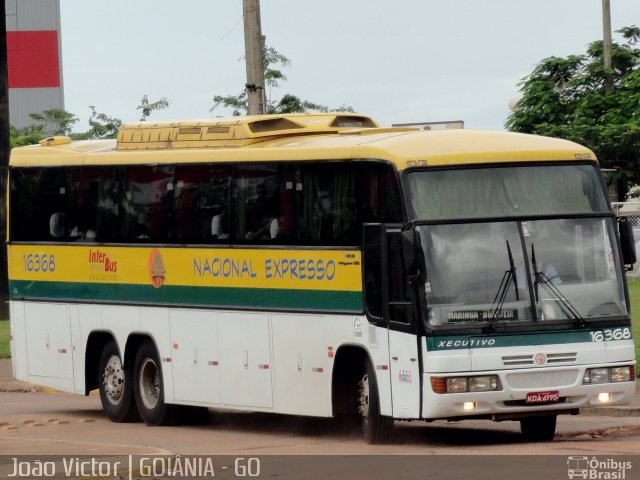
<point>363,403</point>
<point>113,379</point>
<point>149,383</point>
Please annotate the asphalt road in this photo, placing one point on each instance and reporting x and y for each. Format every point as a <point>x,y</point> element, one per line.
<point>45,423</point>
<point>37,424</point>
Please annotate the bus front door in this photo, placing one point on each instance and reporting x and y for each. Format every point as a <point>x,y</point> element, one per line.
<point>400,313</point>
<point>390,304</point>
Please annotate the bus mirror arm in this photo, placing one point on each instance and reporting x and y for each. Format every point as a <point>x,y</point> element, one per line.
<point>627,242</point>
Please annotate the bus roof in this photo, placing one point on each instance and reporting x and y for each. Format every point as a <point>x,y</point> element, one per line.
<point>297,137</point>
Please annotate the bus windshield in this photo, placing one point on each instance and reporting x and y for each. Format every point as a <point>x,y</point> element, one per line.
<point>498,192</point>
<point>510,268</point>
<point>522,271</point>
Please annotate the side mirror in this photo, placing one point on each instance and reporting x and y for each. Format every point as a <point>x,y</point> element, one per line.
<point>409,252</point>
<point>627,242</point>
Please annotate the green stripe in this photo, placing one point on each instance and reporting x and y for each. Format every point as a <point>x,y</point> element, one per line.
<point>459,342</point>
<point>326,300</point>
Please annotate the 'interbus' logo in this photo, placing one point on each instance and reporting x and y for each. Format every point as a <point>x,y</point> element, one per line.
<point>103,265</point>
<point>101,261</point>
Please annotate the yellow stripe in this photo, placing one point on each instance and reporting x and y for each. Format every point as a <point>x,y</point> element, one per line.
<point>337,270</point>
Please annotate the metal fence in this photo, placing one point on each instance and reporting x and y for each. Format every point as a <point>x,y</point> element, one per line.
<point>630,210</point>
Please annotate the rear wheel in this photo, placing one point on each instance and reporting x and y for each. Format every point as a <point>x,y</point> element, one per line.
<point>539,429</point>
<point>375,427</point>
<point>116,386</point>
<point>148,387</point>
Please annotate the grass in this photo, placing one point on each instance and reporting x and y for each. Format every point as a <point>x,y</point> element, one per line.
<point>634,297</point>
<point>5,333</point>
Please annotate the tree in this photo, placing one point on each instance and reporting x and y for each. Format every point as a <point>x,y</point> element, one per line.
<point>53,122</point>
<point>60,122</point>
<point>273,75</point>
<point>148,107</point>
<point>48,123</point>
<point>565,97</point>
<point>102,126</point>
<point>19,137</point>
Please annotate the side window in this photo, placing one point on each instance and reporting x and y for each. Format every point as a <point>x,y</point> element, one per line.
<point>93,213</point>
<point>380,193</point>
<point>263,203</point>
<point>328,199</point>
<point>400,305</point>
<point>373,270</point>
<point>336,198</point>
<point>39,199</point>
<point>201,203</point>
<point>146,209</point>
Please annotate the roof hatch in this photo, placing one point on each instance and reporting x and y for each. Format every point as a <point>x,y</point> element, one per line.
<point>235,131</point>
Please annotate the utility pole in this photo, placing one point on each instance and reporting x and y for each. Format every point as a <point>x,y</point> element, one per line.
<point>606,28</point>
<point>4,160</point>
<point>4,90</point>
<point>253,47</point>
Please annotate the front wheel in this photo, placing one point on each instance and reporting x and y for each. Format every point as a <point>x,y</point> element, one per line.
<point>539,429</point>
<point>375,427</point>
<point>148,386</point>
<point>116,386</point>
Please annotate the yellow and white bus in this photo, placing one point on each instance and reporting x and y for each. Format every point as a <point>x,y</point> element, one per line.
<point>318,264</point>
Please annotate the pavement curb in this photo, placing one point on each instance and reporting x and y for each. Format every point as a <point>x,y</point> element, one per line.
<point>611,411</point>
<point>16,386</point>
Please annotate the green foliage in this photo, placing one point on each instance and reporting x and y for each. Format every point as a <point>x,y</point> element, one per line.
<point>47,123</point>
<point>148,107</point>
<point>634,298</point>
<point>273,75</point>
<point>565,97</point>
<point>19,137</point>
<point>54,122</point>
<point>5,335</point>
<point>237,102</point>
<point>102,126</point>
<point>292,104</point>
<point>60,122</point>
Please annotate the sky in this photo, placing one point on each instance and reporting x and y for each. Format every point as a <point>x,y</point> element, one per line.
<point>399,61</point>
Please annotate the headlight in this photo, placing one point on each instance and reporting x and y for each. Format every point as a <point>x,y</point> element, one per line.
<point>600,375</point>
<point>483,384</point>
<point>621,374</point>
<point>456,384</point>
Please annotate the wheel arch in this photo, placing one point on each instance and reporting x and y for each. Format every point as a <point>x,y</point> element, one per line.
<point>96,341</point>
<point>348,367</point>
<point>134,340</point>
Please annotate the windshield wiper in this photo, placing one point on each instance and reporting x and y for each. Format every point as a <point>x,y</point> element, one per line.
<point>509,277</point>
<point>565,305</point>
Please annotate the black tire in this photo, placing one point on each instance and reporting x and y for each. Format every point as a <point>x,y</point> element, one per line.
<point>539,429</point>
<point>375,427</point>
<point>116,386</point>
<point>148,386</point>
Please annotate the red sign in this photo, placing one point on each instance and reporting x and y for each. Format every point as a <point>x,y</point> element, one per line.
<point>542,397</point>
<point>33,59</point>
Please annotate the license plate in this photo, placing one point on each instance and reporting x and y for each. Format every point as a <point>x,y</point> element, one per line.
<point>542,397</point>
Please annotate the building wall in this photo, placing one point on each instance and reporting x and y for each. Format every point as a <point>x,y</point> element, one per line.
<point>34,54</point>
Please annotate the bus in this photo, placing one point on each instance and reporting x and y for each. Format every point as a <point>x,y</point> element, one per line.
<point>320,265</point>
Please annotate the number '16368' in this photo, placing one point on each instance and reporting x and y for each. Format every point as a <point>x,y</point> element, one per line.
<point>611,334</point>
<point>34,262</point>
